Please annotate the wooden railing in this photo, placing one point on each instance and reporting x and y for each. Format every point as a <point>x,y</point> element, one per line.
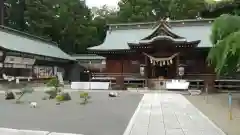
<point>130,79</point>
<point>93,65</point>
<point>116,74</point>
<point>137,79</point>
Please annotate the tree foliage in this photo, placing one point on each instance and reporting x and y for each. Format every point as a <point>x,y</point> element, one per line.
<point>67,22</point>
<point>142,10</point>
<point>75,27</point>
<point>224,55</point>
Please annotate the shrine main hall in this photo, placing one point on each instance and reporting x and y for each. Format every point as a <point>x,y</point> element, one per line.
<point>156,50</point>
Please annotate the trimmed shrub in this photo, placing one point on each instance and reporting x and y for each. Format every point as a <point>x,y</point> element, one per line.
<point>85,96</point>
<point>52,93</point>
<point>59,98</point>
<point>9,95</point>
<point>66,96</point>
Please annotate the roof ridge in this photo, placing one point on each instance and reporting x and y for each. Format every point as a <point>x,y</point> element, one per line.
<point>170,21</point>
<point>86,54</point>
<point>20,33</point>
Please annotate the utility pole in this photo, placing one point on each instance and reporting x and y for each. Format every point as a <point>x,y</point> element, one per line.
<point>2,12</point>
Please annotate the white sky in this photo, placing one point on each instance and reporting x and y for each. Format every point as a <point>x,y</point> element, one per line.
<point>99,3</point>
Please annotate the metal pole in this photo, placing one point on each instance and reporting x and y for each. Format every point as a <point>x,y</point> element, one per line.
<point>230,105</point>
<point>89,75</point>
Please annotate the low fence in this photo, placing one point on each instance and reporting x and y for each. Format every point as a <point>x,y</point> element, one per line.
<point>130,79</point>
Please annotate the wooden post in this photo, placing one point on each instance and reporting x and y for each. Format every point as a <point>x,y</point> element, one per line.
<point>177,64</point>
<point>209,80</point>
<point>120,79</point>
<point>146,71</point>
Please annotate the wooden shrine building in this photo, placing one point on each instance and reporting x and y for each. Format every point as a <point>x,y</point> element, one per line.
<point>157,49</point>
<point>26,56</point>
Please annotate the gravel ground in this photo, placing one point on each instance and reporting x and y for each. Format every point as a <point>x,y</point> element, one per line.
<point>102,116</point>
<point>215,106</point>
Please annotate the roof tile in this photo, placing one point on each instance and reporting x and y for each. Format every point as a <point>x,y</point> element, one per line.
<point>17,41</point>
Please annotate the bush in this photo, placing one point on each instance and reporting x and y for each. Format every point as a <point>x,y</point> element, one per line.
<point>54,82</point>
<point>55,86</point>
<point>25,90</point>
<point>52,93</point>
<point>9,95</point>
<point>59,98</point>
<point>85,96</point>
<point>66,96</point>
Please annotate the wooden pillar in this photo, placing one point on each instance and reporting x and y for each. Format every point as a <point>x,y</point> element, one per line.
<point>120,79</point>
<point>146,69</point>
<point>177,64</point>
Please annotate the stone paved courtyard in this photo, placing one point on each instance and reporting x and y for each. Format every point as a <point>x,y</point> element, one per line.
<point>155,113</point>
<point>102,116</point>
<point>169,114</point>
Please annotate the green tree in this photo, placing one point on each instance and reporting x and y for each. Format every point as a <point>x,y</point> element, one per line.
<point>135,11</point>
<point>14,16</point>
<point>185,9</point>
<point>105,13</point>
<point>225,56</point>
<point>67,22</point>
<point>151,10</point>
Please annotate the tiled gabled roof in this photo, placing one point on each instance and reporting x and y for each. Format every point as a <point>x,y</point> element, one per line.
<point>119,35</point>
<point>14,40</point>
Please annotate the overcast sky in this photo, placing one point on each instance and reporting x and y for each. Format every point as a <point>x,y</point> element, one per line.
<point>99,3</point>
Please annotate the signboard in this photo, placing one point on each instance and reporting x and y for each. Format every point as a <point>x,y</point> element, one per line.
<point>19,60</point>
<point>19,66</point>
<point>43,71</point>
<point>13,59</point>
<point>28,61</point>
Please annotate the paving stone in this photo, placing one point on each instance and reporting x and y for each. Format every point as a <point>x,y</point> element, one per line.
<point>174,132</point>
<point>193,132</point>
<point>53,133</point>
<point>139,130</point>
<point>210,132</point>
<point>31,132</point>
<point>156,128</point>
<point>7,131</point>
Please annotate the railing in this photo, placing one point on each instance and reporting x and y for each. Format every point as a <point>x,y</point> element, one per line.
<point>221,84</point>
<point>112,76</point>
<point>227,84</point>
<point>93,65</point>
<point>137,79</point>
<point>130,79</point>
